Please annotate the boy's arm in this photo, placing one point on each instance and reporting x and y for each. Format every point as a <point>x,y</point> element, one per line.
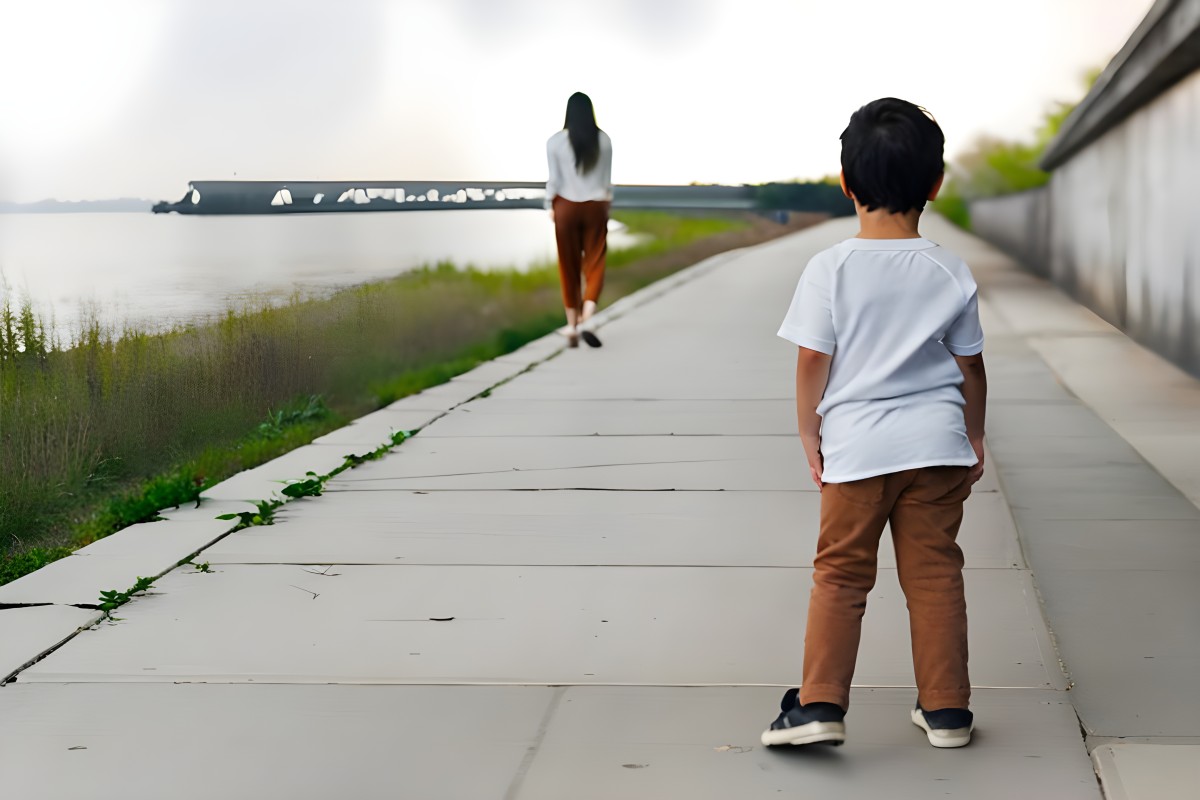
<point>812,375</point>
<point>974,390</point>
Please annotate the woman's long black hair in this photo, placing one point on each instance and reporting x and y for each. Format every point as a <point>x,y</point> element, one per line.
<point>582,131</point>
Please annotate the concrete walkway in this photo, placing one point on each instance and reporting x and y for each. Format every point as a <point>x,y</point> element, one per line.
<point>587,576</point>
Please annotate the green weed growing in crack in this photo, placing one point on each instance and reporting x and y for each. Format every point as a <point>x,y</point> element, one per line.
<point>354,459</point>
<point>113,599</point>
<point>310,487</point>
<point>203,566</point>
<point>263,514</point>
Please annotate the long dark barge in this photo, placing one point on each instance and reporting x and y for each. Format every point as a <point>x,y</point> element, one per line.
<point>306,197</point>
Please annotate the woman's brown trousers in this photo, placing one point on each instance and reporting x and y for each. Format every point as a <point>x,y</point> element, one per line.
<point>581,230</point>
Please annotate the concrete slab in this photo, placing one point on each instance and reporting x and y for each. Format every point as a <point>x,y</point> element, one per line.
<point>1064,453</point>
<point>1097,544</point>
<point>206,512</point>
<point>1055,420</point>
<point>494,372</point>
<point>115,562</point>
<point>656,384</point>
<point>1038,308</point>
<point>446,395</point>
<point>26,633</point>
<point>1114,545</point>
<point>577,528</point>
<point>266,481</point>
<point>1129,642</point>
<point>366,433</point>
<point>79,579</point>
<point>293,742</point>
<point>167,541</point>
<point>1145,380</point>
<point>1148,771</point>
<point>532,625</point>
<point>1176,455</point>
<point>1015,377</point>
<point>1112,492</point>
<point>645,463</point>
<point>536,351</point>
<point>651,742</point>
<point>1147,389</point>
<point>499,417</point>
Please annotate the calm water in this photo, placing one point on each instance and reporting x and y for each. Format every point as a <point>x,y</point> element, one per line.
<point>157,268</point>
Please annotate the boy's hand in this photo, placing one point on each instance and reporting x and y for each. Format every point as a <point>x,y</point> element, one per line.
<point>974,390</point>
<point>816,468</point>
<point>976,472</point>
<point>816,462</point>
<point>812,374</point>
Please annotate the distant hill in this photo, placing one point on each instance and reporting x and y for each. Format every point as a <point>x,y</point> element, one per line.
<point>119,205</point>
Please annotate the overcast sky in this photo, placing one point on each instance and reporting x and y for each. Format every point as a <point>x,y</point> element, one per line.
<point>136,97</point>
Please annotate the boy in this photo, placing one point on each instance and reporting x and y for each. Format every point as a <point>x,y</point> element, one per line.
<point>890,393</point>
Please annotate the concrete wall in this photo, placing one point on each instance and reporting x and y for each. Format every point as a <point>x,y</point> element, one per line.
<point>1119,224</point>
<point>1019,224</point>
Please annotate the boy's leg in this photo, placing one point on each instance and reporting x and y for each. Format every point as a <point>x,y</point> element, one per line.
<point>852,518</point>
<point>925,524</point>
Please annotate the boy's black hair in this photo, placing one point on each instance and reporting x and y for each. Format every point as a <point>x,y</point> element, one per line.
<point>892,155</point>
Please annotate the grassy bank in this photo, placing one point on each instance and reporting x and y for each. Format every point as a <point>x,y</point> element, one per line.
<point>111,427</point>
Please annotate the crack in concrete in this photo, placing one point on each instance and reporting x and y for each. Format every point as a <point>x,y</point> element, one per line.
<point>554,469</point>
<point>514,787</point>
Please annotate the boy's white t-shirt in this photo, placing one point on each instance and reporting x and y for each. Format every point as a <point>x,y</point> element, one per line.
<point>893,313</point>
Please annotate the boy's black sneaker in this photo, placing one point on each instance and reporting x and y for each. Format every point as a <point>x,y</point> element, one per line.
<point>946,727</point>
<point>810,724</point>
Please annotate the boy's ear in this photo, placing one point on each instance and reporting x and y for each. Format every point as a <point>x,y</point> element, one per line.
<point>845,188</point>
<point>937,187</point>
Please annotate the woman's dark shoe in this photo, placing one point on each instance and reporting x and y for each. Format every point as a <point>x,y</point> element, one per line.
<point>814,723</point>
<point>592,339</point>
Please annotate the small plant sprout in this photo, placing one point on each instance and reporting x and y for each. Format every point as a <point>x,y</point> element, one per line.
<point>353,460</point>
<point>263,514</point>
<point>113,599</point>
<point>310,487</point>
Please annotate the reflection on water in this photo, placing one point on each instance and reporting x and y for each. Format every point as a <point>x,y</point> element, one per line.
<point>153,269</point>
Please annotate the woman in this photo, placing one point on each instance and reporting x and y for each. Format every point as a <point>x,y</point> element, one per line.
<point>578,194</point>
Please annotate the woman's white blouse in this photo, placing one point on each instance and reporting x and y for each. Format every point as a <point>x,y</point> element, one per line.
<point>566,182</point>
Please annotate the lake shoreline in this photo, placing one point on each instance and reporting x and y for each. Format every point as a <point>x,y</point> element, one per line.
<point>200,394</point>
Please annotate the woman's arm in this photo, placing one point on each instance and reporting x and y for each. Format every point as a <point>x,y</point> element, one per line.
<point>607,167</point>
<point>553,181</point>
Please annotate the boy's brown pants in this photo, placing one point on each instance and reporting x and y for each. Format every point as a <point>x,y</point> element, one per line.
<point>925,507</point>
<point>581,232</point>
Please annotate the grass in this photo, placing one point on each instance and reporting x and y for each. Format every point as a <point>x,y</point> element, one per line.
<point>108,429</point>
